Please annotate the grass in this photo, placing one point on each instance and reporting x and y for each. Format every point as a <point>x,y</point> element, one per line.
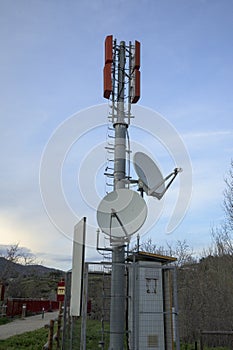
<point>93,335</point>
<point>30,340</point>
<point>36,339</point>
<point>192,347</point>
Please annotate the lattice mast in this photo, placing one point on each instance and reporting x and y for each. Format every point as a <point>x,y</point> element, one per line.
<point>121,88</point>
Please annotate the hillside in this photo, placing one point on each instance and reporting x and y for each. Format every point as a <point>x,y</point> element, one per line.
<point>9,269</point>
<point>29,281</point>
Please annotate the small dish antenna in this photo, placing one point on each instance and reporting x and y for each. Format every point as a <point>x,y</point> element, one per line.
<point>121,213</point>
<point>151,179</point>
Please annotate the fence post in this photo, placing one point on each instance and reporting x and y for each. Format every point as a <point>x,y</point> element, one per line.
<point>66,317</point>
<point>24,310</point>
<point>50,337</point>
<point>59,325</point>
<point>201,341</point>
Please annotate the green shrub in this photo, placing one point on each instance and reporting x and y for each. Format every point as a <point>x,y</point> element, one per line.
<point>4,320</point>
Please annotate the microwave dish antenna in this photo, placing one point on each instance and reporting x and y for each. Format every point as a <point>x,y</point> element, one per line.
<point>121,213</point>
<point>148,172</point>
<point>151,180</point>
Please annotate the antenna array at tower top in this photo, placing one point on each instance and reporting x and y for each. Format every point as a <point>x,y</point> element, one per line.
<point>129,78</point>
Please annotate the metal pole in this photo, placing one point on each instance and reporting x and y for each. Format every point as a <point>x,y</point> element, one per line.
<point>84,307</point>
<point>66,314</point>
<point>135,318</point>
<point>117,315</point>
<point>120,125</point>
<point>176,308</point>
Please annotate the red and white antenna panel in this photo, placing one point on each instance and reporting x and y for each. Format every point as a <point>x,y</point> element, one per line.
<point>108,67</point>
<point>131,70</point>
<point>135,74</point>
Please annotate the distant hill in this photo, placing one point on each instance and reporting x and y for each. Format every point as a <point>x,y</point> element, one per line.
<point>9,269</point>
<point>29,281</point>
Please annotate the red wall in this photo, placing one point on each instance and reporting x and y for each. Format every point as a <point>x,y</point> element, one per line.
<point>14,306</point>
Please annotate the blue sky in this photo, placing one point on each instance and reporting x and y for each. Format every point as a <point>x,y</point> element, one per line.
<point>51,68</point>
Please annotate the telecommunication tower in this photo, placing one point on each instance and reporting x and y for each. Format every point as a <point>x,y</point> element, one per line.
<point>122,212</point>
<point>121,87</point>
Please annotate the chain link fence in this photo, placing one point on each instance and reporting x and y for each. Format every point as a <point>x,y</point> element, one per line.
<point>150,308</point>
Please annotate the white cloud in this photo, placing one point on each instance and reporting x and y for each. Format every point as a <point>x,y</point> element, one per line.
<point>208,134</point>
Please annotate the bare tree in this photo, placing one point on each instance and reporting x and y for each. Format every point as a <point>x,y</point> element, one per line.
<point>20,255</point>
<point>180,250</point>
<point>204,289</point>
<point>228,198</point>
<point>150,247</point>
<point>222,236</point>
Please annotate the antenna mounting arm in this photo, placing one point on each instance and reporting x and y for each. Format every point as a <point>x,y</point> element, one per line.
<point>159,195</point>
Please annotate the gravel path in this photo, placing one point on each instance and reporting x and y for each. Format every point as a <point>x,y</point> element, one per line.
<point>27,324</point>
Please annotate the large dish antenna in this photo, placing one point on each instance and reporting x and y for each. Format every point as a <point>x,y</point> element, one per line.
<point>121,213</point>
